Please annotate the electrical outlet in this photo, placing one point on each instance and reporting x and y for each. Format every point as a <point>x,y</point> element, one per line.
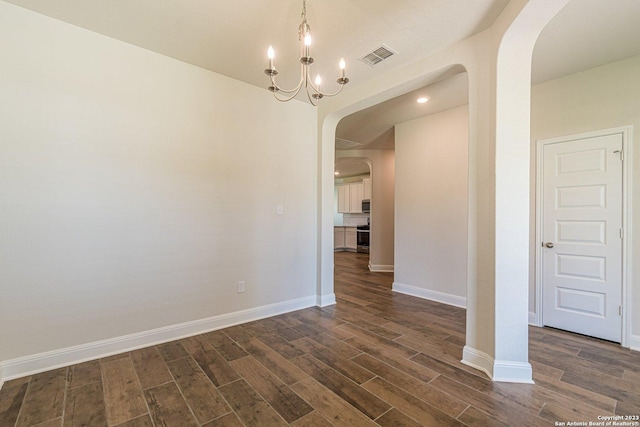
<point>240,286</point>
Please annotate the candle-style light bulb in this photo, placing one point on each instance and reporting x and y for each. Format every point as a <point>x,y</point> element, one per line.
<point>307,43</point>
<point>318,81</point>
<point>342,67</point>
<point>271,54</point>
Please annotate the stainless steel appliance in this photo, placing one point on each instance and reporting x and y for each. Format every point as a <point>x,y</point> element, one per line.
<point>366,206</point>
<point>363,233</point>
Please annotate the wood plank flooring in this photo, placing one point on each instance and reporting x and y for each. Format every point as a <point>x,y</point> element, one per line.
<point>375,358</point>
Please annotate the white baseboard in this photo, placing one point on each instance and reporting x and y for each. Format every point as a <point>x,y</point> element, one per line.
<point>33,364</point>
<point>430,295</point>
<point>634,342</point>
<point>498,370</point>
<point>512,372</point>
<point>534,319</point>
<point>477,360</point>
<point>326,300</point>
<point>378,268</point>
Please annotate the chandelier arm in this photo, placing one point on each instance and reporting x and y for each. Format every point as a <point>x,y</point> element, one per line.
<point>317,90</point>
<point>279,89</point>
<point>305,77</point>
<point>294,90</point>
<point>286,99</point>
<point>310,97</point>
<point>333,94</point>
<point>310,83</point>
<point>293,94</point>
<point>319,93</point>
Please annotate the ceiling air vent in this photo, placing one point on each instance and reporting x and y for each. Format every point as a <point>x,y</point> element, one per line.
<point>378,55</point>
<point>345,144</point>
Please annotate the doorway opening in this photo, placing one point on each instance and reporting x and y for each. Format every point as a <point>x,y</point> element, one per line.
<point>352,205</point>
<point>432,179</point>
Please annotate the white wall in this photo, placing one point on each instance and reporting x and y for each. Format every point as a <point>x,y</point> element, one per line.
<point>600,98</point>
<point>431,206</point>
<point>136,190</point>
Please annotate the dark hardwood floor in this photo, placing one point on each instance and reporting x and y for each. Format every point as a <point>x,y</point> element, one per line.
<point>375,358</point>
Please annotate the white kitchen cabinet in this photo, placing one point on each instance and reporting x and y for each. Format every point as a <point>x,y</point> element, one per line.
<point>350,197</point>
<point>356,194</point>
<point>367,188</point>
<point>351,238</point>
<point>344,199</point>
<point>338,238</point>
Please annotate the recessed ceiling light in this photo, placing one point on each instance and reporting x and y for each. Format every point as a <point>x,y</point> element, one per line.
<point>422,100</point>
<point>336,173</point>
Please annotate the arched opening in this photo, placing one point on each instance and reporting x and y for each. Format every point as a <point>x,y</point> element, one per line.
<point>566,116</point>
<point>394,106</point>
<point>419,168</point>
<point>499,92</point>
<point>420,174</point>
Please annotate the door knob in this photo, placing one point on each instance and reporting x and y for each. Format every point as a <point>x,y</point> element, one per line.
<point>548,245</point>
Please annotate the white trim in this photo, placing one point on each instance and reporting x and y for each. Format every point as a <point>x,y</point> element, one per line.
<point>497,370</point>
<point>512,372</point>
<point>478,360</point>
<point>634,342</point>
<point>627,187</point>
<point>326,300</point>
<point>534,319</point>
<point>441,297</point>
<point>381,268</point>
<point>627,243</point>
<point>33,364</point>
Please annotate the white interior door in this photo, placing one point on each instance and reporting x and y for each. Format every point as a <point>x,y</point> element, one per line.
<point>582,236</point>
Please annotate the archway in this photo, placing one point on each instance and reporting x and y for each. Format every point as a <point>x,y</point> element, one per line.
<point>499,78</point>
<point>327,138</point>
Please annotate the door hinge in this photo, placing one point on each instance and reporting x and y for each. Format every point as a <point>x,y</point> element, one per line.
<point>620,310</point>
<point>621,152</point>
<point>622,233</point>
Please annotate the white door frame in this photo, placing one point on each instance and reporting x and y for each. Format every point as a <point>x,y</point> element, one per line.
<point>627,133</point>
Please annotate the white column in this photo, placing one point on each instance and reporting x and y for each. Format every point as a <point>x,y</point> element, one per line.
<point>326,163</point>
<point>497,315</point>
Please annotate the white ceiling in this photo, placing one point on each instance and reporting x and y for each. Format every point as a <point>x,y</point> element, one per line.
<point>585,34</point>
<point>231,38</point>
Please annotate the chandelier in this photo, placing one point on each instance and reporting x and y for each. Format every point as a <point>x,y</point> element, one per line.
<point>312,88</point>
